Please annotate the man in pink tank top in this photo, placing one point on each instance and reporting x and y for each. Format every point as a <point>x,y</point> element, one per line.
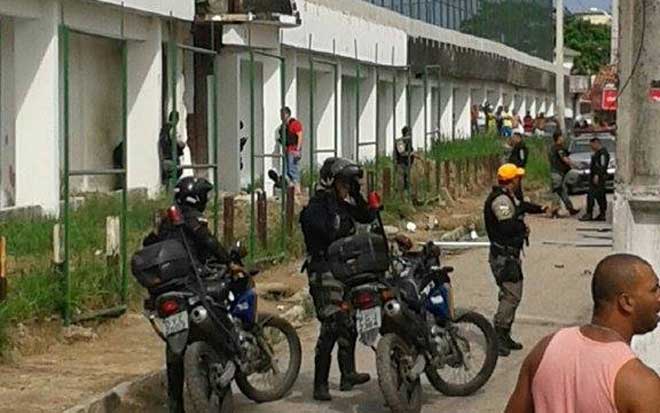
<point>591,369</point>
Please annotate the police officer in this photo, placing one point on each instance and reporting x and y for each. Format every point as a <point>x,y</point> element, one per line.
<point>600,160</point>
<point>330,215</point>
<point>404,156</point>
<point>560,166</point>
<point>191,197</point>
<point>504,218</point>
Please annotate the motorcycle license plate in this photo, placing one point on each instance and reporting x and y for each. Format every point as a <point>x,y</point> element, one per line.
<point>175,324</point>
<point>368,320</point>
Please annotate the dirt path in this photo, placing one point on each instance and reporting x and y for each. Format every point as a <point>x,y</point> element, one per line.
<point>556,287</point>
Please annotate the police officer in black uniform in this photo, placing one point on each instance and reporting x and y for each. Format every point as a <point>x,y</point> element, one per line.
<point>600,160</point>
<point>191,197</point>
<point>504,218</point>
<point>331,215</point>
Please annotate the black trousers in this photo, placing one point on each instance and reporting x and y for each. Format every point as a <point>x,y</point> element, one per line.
<point>597,194</point>
<point>174,382</point>
<point>334,330</point>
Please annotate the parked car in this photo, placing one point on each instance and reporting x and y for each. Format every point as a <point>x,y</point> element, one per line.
<point>580,150</point>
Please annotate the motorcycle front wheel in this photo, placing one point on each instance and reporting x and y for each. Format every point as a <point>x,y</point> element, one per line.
<point>279,365</point>
<point>475,358</point>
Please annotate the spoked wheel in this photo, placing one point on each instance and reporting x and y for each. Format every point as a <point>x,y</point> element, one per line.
<point>474,359</point>
<point>280,355</point>
<point>394,359</point>
<point>201,394</point>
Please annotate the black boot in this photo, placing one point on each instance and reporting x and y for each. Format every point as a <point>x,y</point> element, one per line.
<point>573,211</point>
<point>346,359</point>
<point>586,218</point>
<point>600,218</point>
<point>511,343</point>
<point>321,372</point>
<point>502,343</point>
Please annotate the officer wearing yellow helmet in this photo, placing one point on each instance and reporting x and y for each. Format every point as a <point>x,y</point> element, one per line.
<point>504,217</point>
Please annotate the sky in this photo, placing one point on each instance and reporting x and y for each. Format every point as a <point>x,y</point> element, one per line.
<point>580,5</point>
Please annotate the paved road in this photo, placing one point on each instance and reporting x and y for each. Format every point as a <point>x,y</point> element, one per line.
<point>556,292</point>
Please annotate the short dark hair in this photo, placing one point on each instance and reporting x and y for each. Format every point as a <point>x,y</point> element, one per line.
<point>405,130</point>
<point>558,134</point>
<point>614,275</point>
<point>594,140</point>
<point>287,110</point>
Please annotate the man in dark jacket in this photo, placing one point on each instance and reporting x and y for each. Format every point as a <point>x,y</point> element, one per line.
<point>404,156</point>
<point>600,160</point>
<point>332,214</point>
<point>504,218</point>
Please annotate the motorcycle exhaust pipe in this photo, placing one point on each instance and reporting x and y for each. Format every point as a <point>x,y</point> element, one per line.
<point>200,316</point>
<point>402,318</point>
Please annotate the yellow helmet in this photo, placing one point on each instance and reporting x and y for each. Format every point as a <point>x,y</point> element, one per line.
<point>509,171</point>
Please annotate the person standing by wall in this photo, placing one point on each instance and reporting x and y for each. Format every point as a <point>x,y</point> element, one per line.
<point>404,156</point>
<point>293,135</point>
<point>600,160</point>
<point>560,166</point>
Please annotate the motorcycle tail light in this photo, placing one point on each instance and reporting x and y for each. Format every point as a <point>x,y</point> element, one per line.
<point>174,215</point>
<point>386,295</point>
<point>364,300</point>
<point>168,308</point>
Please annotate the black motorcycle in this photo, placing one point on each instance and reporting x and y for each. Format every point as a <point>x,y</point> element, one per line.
<point>411,309</point>
<point>208,315</point>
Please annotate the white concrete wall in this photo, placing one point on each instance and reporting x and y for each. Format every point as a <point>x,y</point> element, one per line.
<point>37,97</point>
<point>180,9</point>
<point>144,111</point>
<point>367,113</point>
<point>95,109</point>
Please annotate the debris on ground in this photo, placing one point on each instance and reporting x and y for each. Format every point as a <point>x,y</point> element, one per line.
<point>411,227</point>
<point>75,333</point>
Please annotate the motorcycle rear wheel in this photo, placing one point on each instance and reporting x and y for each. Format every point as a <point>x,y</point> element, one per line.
<point>199,393</point>
<point>401,394</point>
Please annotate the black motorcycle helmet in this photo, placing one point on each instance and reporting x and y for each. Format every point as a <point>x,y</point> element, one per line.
<point>340,169</point>
<point>192,192</point>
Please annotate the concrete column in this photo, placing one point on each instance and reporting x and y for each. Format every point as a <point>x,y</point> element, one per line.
<point>245,113</point>
<point>533,108</point>
<point>559,62</point>
<point>447,111</point>
<point>400,102</point>
<point>492,96</point>
<point>417,99</point>
<point>461,112</point>
<point>386,133</point>
<point>348,115</point>
<point>542,108</point>
<point>637,192</point>
<point>145,71</point>
<point>36,70</point>
<point>7,116</point>
<point>429,114</point>
<point>291,84</point>
<point>229,92</point>
<point>367,112</point>
<point>272,93</point>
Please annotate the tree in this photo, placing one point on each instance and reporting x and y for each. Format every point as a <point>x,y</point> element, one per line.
<point>592,41</point>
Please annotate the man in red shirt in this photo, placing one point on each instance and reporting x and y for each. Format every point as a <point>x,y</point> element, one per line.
<point>292,142</point>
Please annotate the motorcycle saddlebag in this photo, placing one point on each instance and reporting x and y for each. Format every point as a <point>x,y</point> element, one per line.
<point>356,255</point>
<point>160,263</point>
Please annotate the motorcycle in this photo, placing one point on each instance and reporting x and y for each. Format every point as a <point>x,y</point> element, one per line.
<point>208,316</point>
<point>412,312</point>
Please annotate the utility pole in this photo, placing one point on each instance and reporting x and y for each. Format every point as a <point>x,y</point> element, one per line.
<point>637,183</point>
<point>559,62</point>
<point>614,55</point>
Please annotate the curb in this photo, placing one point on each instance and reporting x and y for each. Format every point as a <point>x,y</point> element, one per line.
<point>119,398</point>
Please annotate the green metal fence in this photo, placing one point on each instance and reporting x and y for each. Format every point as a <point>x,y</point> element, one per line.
<point>526,25</point>
<point>69,273</point>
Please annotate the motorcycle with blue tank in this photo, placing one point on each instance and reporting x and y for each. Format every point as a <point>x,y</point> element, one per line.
<point>208,315</point>
<point>407,314</point>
